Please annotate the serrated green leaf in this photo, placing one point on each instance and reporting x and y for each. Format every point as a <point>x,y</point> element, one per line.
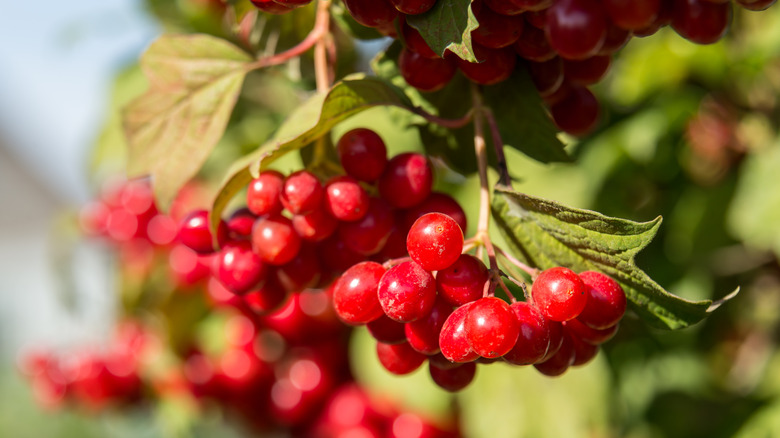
<point>522,119</point>
<point>546,234</point>
<point>171,129</point>
<point>306,124</point>
<point>448,25</point>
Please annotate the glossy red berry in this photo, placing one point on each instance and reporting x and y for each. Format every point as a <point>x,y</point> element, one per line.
<point>195,234</point>
<point>504,7</point>
<point>494,66</point>
<point>559,362</point>
<point>413,7</point>
<point>632,14</point>
<point>495,30</point>
<point>587,71</point>
<point>547,76</point>
<point>436,202</point>
<point>583,352</point>
<point>559,294</point>
<point>453,339</point>
<point>463,281</point>
<point>385,330</point>
<point>301,192</point>
<point>267,298</point>
<point>423,334</point>
<point>576,29</point>
<point>355,293</point>
<point>238,268</point>
<point>240,224</point>
<point>302,272</point>
<point>577,113</point>
<point>345,200</point>
<point>453,379</point>
<point>315,226</point>
<point>491,327</point>
<point>368,235</point>
<point>756,5</point>
<point>407,180</point>
<point>424,73</point>
<point>407,292</point>
<point>363,154</point>
<point>435,241</point>
<point>399,358</point>
<point>606,302</point>
<point>700,21</point>
<point>371,13</point>
<point>263,193</point>
<point>588,334</point>
<point>275,240</point>
<point>533,45</point>
<point>534,336</point>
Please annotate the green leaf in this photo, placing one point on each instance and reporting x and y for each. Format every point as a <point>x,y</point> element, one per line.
<point>315,118</point>
<point>195,81</point>
<point>545,234</point>
<point>522,119</point>
<point>448,25</point>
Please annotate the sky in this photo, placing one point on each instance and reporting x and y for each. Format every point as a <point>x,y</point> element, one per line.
<point>57,61</point>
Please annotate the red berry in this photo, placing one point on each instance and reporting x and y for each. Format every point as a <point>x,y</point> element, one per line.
<point>547,76</point>
<point>588,334</point>
<point>399,358</point>
<point>534,338</point>
<point>371,13</point>
<point>700,21</point>
<point>385,330</point>
<point>436,202</point>
<point>494,66</point>
<point>558,363</point>
<point>504,7</point>
<point>302,192</point>
<point>345,200</point>
<point>240,224</point>
<point>587,71</point>
<point>606,302</point>
<point>632,14</point>
<point>314,226</point>
<point>533,45</point>
<point>559,294</point>
<point>463,281</point>
<point>576,29</point>
<point>355,293</point>
<point>756,5</point>
<point>413,7</point>
<point>423,334</point>
<point>268,298</point>
<point>275,240</point>
<point>453,338</point>
<point>407,180</point>
<point>577,113</point>
<point>423,73</point>
<point>264,192</point>
<point>368,235</point>
<point>583,352</point>
<point>407,292</point>
<point>453,379</point>
<point>336,255</point>
<point>302,272</point>
<point>195,234</point>
<point>495,30</point>
<point>435,241</point>
<point>415,42</point>
<point>271,6</point>
<point>492,327</point>
<point>238,268</point>
<point>363,154</point>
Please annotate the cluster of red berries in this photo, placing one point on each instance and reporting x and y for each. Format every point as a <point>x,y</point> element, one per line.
<point>93,379</point>
<point>297,233</point>
<point>453,320</point>
<point>566,44</point>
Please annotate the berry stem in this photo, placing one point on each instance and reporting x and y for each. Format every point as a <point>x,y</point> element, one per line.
<point>498,144</point>
<point>246,28</point>
<point>322,70</point>
<point>318,32</point>
<point>392,262</point>
<point>446,123</point>
<point>533,272</point>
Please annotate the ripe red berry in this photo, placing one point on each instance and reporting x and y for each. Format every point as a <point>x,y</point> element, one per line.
<point>407,292</point>
<point>463,281</point>
<point>559,362</point>
<point>700,21</point>
<point>436,202</point>
<point>195,234</point>
<point>576,29</point>
<point>399,358</point>
<point>453,338</point>
<point>534,338</point>
<point>453,379</point>
<point>559,294</point>
<point>606,302</point>
<point>547,76</point>
<point>415,42</point>
<point>587,71</point>
<point>588,334</point>
<point>371,13</point>
<point>424,73</point>
<point>238,268</point>
<point>756,5</point>
<point>363,154</point>
<point>435,241</point>
<point>355,293</point>
<point>413,7</point>
<point>583,352</point>
<point>407,180</point>
<point>494,66</point>
<point>504,7</point>
<point>272,7</point>
<point>491,327</point>
<point>345,200</point>
<point>275,240</point>
<point>263,193</point>
<point>385,330</point>
<point>577,113</point>
<point>302,272</point>
<point>315,226</point>
<point>301,192</point>
<point>633,14</point>
<point>533,45</point>
<point>423,334</point>
<point>495,30</point>
<point>267,298</point>
<point>368,235</point>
